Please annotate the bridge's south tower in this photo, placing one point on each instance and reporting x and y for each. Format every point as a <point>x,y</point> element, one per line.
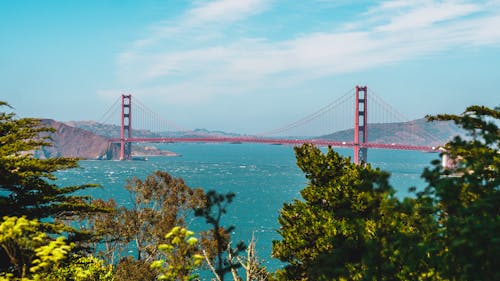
<point>361,125</point>
<point>126,128</point>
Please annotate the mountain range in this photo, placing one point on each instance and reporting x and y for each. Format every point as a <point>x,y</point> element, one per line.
<point>417,132</point>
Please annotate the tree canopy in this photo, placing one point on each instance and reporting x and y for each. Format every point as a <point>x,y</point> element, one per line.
<point>349,226</point>
<point>326,234</point>
<point>27,184</point>
<point>466,197</point>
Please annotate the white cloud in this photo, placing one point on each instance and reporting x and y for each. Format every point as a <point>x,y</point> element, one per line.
<point>425,15</point>
<point>224,11</point>
<point>219,64</point>
<point>203,15</point>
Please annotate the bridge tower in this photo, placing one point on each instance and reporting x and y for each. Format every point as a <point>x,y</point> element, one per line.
<point>361,125</point>
<point>126,128</point>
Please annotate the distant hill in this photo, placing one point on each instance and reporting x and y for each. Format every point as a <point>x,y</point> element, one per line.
<point>113,131</point>
<point>108,131</point>
<point>88,139</point>
<point>426,133</point>
<point>71,141</point>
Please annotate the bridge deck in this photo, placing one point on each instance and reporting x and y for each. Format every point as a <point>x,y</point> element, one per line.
<point>319,142</point>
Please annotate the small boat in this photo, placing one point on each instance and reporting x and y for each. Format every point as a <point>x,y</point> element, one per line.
<point>139,158</point>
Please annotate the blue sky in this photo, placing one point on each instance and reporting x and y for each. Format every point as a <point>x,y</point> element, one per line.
<point>246,65</point>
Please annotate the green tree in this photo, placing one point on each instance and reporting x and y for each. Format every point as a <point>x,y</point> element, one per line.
<point>349,226</point>
<point>157,204</point>
<point>160,203</point>
<point>466,197</point>
<point>28,184</point>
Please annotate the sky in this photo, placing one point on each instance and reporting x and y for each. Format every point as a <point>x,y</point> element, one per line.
<point>245,66</point>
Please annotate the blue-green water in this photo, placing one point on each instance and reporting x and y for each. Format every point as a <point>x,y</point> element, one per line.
<point>263,177</point>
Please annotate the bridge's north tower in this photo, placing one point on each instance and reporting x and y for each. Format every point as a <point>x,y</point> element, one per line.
<point>126,128</point>
<point>361,125</point>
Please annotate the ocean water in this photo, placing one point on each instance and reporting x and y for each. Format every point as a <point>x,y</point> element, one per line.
<point>263,177</point>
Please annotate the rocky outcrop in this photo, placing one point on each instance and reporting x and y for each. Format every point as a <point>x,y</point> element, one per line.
<point>70,141</point>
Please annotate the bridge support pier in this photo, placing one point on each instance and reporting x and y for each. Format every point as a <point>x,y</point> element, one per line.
<point>126,128</point>
<point>361,125</point>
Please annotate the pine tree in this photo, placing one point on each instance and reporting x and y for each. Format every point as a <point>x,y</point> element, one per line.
<point>466,196</point>
<point>325,236</point>
<point>27,184</point>
<point>350,226</point>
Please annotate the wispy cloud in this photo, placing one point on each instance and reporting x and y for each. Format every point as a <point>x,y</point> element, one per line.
<point>224,11</point>
<point>207,62</point>
<point>411,15</point>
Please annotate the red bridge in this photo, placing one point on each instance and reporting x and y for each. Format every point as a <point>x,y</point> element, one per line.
<point>332,125</point>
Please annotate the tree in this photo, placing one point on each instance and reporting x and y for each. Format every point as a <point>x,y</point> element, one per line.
<point>81,268</point>
<point>27,184</point>
<point>160,203</point>
<point>109,238</point>
<point>349,226</point>
<point>254,269</point>
<point>31,252</point>
<point>467,197</point>
<point>131,269</point>
<point>157,204</point>
<point>216,242</point>
<point>36,255</point>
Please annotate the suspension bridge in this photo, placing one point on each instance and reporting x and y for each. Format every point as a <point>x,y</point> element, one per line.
<point>346,122</point>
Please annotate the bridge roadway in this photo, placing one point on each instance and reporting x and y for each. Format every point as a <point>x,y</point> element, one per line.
<point>319,142</point>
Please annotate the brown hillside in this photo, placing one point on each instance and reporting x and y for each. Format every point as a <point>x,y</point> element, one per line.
<point>73,142</point>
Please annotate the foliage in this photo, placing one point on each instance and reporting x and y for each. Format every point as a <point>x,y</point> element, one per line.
<point>466,198</point>
<point>50,255</point>
<point>182,256</point>
<point>82,268</point>
<point>216,242</point>
<point>254,269</point>
<point>47,258</point>
<point>27,182</point>
<point>18,238</point>
<point>131,269</point>
<point>158,203</point>
<point>349,225</point>
<point>109,237</point>
<point>28,247</point>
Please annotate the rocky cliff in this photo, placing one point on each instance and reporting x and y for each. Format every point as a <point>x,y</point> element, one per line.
<point>73,142</point>
<point>70,141</point>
